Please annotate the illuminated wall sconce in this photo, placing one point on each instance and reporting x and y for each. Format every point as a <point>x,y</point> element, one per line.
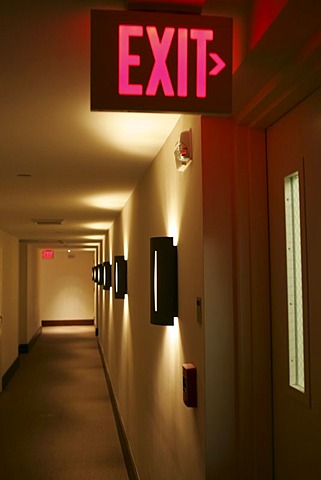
<point>106,276</point>
<point>94,274</point>
<point>163,281</point>
<point>100,274</point>
<point>120,276</point>
<point>183,151</point>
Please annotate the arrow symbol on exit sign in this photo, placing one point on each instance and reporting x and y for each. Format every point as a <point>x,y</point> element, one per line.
<point>220,64</point>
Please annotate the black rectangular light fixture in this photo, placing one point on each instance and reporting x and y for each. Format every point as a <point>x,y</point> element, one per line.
<point>100,274</point>
<point>120,276</point>
<point>163,281</point>
<point>96,274</point>
<point>107,276</point>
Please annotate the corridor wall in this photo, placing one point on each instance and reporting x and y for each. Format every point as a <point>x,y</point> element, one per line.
<point>29,321</point>
<point>144,360</point>
<point>10,299</point>
<point>217,212</point>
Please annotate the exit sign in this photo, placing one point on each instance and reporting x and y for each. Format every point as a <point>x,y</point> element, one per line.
<point>160,62</point>
<point>47,254</point>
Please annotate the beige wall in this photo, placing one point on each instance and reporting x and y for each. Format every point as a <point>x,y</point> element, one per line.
<point>217,210</point>
<point>29,319</point>
<point>144,360</point>
<point>33,317</point>
<point>65,286</point>
<point>10,300</point>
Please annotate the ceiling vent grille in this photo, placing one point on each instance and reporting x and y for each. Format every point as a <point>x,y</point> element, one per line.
<point>48,221</point>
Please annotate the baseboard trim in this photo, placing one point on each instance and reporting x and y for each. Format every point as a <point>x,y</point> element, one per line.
<point>128,457</point>
<point>66,323</point>
<point>10,373</point>
<point>25,347</point>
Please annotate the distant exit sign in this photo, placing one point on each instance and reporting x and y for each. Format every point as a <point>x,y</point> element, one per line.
<point>160,62</point>
<point>47,254</point>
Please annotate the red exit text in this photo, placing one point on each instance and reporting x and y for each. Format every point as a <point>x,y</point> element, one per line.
<point>160,47</point>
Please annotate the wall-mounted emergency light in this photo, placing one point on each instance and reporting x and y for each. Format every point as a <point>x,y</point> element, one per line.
<point>163,281</point>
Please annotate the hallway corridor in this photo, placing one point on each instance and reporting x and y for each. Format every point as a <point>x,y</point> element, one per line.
<point>56,418</point>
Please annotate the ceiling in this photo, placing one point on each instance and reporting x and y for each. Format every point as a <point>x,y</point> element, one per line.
<point>60,161</point>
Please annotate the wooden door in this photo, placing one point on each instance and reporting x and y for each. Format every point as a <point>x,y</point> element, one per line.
<point>294,184</point>
<point>1,280</point>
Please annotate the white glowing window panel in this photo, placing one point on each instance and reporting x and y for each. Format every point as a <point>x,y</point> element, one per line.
<point>294,282</point>
<point>155,281</point>
<point>116,277</point>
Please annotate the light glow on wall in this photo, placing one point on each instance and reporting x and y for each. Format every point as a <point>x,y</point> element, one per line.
<point>111,297</point>
<point>108,201</point>
<point>126,227</point>
<point>173,227</point>
<point>95,238</point>
<point>139,134</point>
<point>126,309</point>
<point>172,335</point>
<point>98,225</point>
<point>125,241</point>
<point>170,356</point>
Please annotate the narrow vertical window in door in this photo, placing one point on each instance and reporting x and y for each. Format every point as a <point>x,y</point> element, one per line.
<point>294,281</point>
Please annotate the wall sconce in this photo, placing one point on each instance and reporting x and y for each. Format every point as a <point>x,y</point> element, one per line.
<point>107,276</point>
<point>120,276</point>
<point>97,274</point>
<point>163,281</point>
<point>183,151</point>
<point>100,274</point>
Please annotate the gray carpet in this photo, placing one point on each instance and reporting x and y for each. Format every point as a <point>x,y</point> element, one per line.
<point>56,419</point>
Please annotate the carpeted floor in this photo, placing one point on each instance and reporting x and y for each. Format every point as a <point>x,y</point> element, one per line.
<point>56,418</point>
